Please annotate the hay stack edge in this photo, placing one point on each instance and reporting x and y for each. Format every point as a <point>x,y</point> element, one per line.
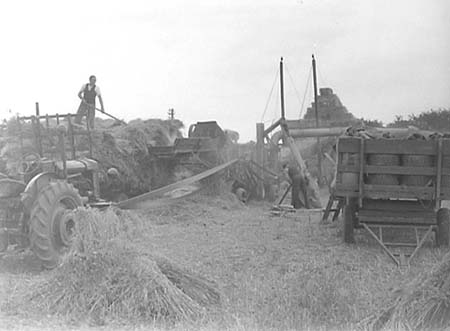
<point>107,278</point>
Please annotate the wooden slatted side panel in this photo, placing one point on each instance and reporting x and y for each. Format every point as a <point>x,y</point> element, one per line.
<point>397,212</point>
<point>390,146</point>
<point>352,145</point>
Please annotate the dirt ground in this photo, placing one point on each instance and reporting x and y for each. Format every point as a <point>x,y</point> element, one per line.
<point>274,272</point>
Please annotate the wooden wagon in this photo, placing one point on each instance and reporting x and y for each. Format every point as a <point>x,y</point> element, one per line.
<point>393,183</point>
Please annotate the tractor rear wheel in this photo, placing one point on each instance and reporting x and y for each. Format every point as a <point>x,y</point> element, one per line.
<point>52,222</point>
<point>443,227</point>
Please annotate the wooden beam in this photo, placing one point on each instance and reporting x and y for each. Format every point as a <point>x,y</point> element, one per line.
<point>272,127</point>
<point>314,188</point>
<point>260,157</point>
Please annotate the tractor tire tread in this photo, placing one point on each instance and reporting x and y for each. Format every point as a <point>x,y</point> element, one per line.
<point>40,227</point>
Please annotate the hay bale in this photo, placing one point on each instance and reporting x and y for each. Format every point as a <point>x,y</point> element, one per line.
<point>416,161</point>
<point>125,147</point>
<point>423,304</point>
<point>383,160</point>
<point>105,278</point>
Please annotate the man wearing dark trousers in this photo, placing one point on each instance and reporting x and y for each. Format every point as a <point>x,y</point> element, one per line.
<point>88,94</point>
<point>299,197</point>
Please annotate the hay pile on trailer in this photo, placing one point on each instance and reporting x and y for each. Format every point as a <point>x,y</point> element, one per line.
<point>106,278</point>
<point>123,146</point>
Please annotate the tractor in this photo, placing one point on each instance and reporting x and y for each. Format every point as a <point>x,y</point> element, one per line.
<point>49,178</point>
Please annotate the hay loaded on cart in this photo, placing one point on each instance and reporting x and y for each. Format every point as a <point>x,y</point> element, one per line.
<point>395,183</point>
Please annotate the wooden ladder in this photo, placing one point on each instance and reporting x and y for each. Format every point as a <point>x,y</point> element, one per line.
<point>334,205</point>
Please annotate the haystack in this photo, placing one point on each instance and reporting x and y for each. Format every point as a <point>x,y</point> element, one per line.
<point>124,146</point>
<point>424,304</point>
<point>106,278</point>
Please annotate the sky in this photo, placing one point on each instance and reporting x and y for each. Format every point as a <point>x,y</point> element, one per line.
<point>218,60</point>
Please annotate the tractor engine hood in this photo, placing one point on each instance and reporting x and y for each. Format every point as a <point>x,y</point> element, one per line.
<point>76,166</point>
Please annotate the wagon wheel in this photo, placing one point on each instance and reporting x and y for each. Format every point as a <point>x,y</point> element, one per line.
<point>443,227</point>
<point>52,222</point>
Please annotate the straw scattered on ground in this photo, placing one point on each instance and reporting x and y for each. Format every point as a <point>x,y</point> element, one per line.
<point>422,304</point>
<point>106,278</point>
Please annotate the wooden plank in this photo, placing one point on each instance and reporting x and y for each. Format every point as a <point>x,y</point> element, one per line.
<point>343,190</point>
<point>348,145</point>
<point>361,172</point>
<point>397,205</point>
<point>398,192</point>
<point>439,174</point>
<point>391,146</point>
<point>398,188</point>
<point>392,220</point>
<point>56,116</point>
<point>386,192</point>
<point>397,146</point>
<point>397,213</point>
<point>393,170</point>
<point>272,127</point>
<point>140,200</point>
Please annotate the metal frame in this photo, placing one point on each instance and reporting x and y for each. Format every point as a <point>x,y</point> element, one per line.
<point>49,131</point>
<point>400,262</point>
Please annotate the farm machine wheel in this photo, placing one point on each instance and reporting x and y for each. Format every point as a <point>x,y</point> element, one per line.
<point>443,227</point>
<point>52,222</point>
<point>349,221</point>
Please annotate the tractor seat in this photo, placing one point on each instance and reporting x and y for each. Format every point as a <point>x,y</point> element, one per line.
<point>77,166</point>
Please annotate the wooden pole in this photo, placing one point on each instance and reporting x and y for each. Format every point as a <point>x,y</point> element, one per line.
<point>260,157</point>
<point>38,130</point>
<point>283,114</point>
<point>316,110</point>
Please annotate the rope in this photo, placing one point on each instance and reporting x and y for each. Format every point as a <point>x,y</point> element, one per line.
<point>322,77</point>
<point>295,89</point>
<point>277,104</point>
<point>270,95</point>
<point>308,83</point>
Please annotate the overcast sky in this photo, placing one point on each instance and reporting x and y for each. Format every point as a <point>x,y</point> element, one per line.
<point>217,60</point>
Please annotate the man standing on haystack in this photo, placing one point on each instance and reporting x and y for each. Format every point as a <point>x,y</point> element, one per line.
<point>88,94</point>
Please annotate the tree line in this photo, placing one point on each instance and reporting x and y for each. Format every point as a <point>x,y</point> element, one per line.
<point>433,120</point>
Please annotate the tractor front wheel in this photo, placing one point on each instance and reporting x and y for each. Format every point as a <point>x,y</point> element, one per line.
<point>52,222</point>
